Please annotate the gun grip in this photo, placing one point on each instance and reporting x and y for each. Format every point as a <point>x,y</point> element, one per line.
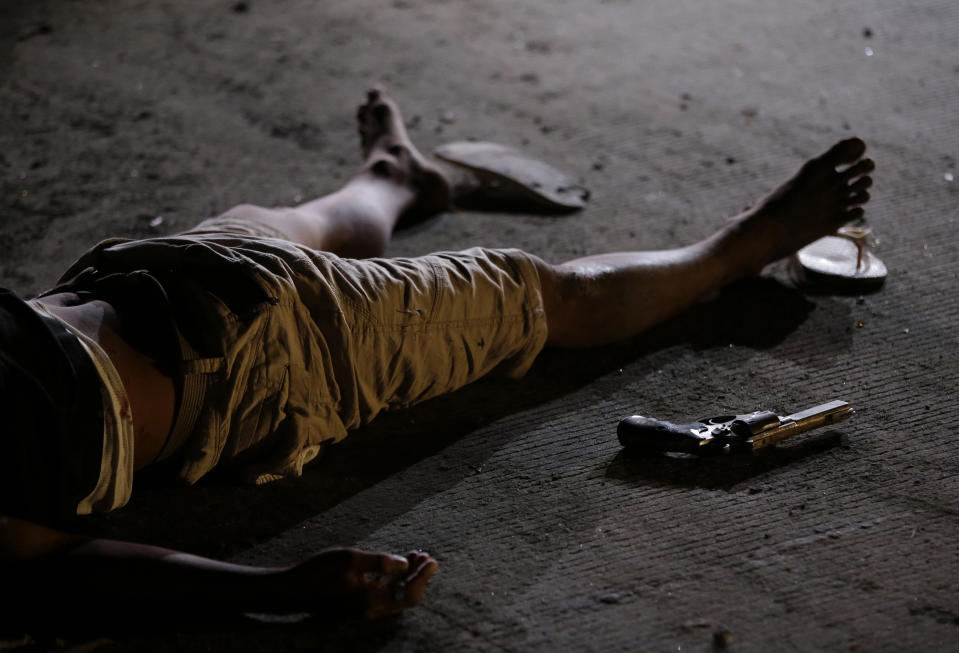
<point>640,433</point>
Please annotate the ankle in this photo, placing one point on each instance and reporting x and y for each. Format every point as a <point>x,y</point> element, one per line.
<point>739,249</point>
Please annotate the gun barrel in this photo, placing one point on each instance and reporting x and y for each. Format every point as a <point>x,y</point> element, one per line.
<point>806,420</point>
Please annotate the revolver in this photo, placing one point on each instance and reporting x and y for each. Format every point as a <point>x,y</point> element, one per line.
<point>726,433</point>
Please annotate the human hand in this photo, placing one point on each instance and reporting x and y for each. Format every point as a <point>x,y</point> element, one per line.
<point>354,582</point>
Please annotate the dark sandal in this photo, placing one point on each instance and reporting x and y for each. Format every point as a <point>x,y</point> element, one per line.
<point>502,178</point>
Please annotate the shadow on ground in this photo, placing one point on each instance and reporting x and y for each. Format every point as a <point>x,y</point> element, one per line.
<point>220,518</point>
<point>61,630</point>
<point>714,472</point>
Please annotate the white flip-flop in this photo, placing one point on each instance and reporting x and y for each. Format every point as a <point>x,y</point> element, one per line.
<point>843,259</point>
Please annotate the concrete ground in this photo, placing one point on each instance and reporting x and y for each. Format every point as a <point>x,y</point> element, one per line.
<point>126,118</point>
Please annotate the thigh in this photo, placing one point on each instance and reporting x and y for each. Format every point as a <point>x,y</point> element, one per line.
<point>422,327</point>
<point>284,223</point>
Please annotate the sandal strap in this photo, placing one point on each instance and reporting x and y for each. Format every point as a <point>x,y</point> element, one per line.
<point>858,236</point>
<point>854,234</point>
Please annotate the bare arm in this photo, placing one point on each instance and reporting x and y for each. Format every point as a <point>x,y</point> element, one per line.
<point>57,570</point>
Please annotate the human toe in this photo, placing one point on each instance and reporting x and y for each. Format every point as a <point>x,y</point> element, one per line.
<point>381,112</point>
<point>853,214</point>
<point>861,167</point>
<point>860,184</point>
<point>858,198</point>
<point>845,151</point>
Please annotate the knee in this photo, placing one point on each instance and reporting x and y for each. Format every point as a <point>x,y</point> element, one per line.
<point>566,285</point>
<point>560,288</point>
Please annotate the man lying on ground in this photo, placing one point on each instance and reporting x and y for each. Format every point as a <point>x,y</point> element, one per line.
<point>257,337</point>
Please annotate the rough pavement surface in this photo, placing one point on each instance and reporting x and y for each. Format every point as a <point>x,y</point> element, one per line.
<point>125,118</point>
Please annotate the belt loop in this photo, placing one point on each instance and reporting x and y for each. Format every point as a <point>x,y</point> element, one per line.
<point>195,371</point>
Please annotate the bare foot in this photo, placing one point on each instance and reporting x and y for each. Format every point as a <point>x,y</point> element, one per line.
<point>390,154</point>
<point>827,192</point>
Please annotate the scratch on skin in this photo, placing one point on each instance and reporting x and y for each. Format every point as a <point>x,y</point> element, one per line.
<point>584,280</point>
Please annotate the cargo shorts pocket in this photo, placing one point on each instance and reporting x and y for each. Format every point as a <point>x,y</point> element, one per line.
<point>261,390</point>
<point>260,411</point>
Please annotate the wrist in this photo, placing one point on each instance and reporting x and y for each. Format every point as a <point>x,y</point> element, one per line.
<point>274,590</point>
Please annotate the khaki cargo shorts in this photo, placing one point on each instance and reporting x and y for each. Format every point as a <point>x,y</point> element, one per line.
<point>394,331</point>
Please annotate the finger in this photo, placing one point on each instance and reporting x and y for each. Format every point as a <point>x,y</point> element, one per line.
<point>413,557</point>
<point>417,560</point>
<point>416,581</point>
<point>404,593</point>
<point>375,562</point>
<point>425,567</point>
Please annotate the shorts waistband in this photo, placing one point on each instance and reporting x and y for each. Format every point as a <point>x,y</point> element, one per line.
<point>194,379</point>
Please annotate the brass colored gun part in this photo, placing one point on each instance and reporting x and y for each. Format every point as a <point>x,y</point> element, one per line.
<point>726,433</point>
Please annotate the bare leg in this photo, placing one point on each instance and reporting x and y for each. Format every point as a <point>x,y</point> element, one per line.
<point>600,299</point>
<point>395,183</point>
